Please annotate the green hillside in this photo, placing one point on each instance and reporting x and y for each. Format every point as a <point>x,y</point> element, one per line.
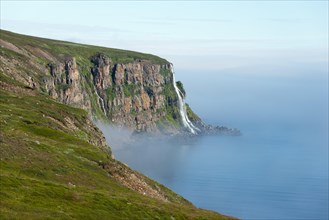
<point>59,49</point>
<point>55,164</point>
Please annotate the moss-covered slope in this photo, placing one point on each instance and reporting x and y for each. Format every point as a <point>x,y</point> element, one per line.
<point>58,49</point>
<point>55,165</point>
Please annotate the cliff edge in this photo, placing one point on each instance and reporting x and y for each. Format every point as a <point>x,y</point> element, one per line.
<point>125,88</point>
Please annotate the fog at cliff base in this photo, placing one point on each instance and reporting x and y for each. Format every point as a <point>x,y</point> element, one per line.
<point>278,168</point>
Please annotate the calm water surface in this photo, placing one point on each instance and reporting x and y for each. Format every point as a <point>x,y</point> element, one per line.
<point>278,168</point>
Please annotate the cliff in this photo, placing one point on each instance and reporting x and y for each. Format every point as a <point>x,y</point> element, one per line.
<point>123,87</point>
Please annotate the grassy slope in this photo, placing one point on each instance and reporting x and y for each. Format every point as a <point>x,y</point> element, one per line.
<point>80,51</point>
<point>49,170</point>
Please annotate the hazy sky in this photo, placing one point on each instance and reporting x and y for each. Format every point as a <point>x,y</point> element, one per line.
<point>218,34</point>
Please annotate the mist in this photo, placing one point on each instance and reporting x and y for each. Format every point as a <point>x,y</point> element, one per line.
<point>155,155</point>
<point>277,169</point>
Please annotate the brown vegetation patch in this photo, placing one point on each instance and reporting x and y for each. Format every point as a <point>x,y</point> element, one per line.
<point>18,90</point>
<point>12,47</point>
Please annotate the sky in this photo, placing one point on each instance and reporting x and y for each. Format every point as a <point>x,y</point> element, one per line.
<point>217,34</point>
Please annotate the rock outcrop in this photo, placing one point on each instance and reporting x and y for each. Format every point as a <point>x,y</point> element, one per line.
<point>129,94</point>
<point>132,94</point>
<point>64,84</point>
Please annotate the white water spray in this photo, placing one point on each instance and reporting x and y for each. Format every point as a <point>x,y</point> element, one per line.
<point>101,101</point>
<point>181,104</point>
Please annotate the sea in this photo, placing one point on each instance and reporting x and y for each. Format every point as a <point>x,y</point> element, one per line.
<point>277,168</point>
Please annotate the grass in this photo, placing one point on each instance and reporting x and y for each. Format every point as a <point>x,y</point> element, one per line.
<point>181,87</point>
<point>169,91</point>
<point>129,89</point>
<point>52,166</point>
<point>60,49</point>
<point>164,72</point>
<point>190,114</point>
<point>110,93</point>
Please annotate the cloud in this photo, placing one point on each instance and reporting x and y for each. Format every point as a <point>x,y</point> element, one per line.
<point>155,22</point>
<point>205,20</point>
<point>172,20</point>
<point>284,20</point>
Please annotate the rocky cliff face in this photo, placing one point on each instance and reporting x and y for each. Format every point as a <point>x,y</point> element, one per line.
<point>131,94</point>
<point>127,94</point>
<point>64,84</point>
<point>138,94</point>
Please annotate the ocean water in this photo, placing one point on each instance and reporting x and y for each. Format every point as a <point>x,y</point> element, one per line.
<point>278,168</point>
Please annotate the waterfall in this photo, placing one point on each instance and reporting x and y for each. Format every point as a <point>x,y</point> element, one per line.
<point>101,101</point>
<point>182,110</point>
